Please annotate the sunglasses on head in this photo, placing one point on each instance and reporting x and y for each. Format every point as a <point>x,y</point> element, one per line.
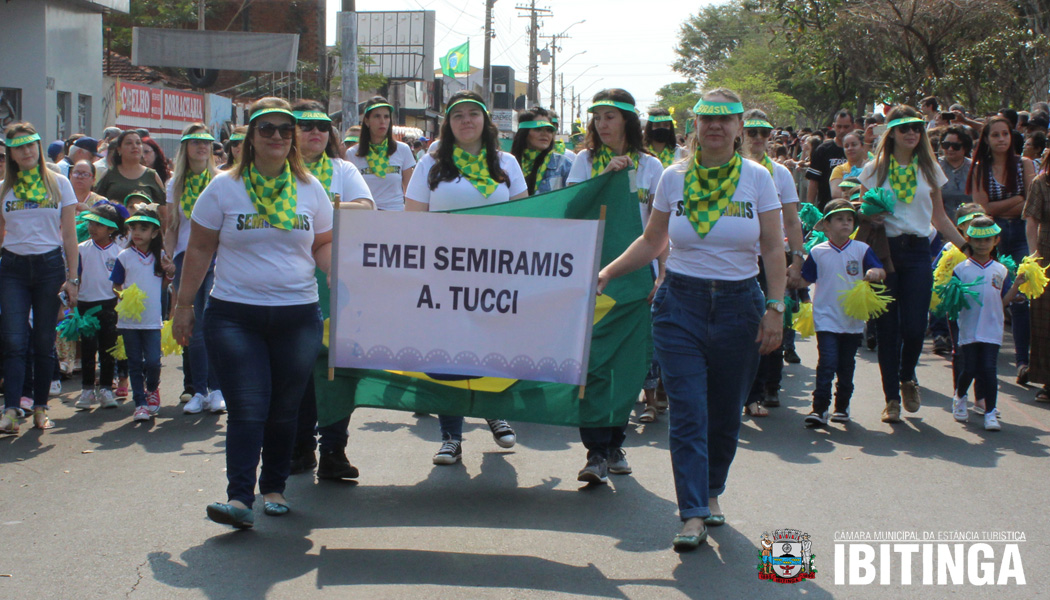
<point>758,132</point>
<point>910,127</point>
<point>951,145</point>
<point>267,129</point>
<point>322,126</point>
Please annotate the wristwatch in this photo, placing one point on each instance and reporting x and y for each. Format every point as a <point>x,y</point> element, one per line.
<point>797,253</point>
<point>74,280</point>
<point>777,305</point>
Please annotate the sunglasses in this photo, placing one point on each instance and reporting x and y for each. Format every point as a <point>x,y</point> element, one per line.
<point>911,128</point>
<point>951,145</point>
<point>267,129</point>
<point>757,133</point>
<point>322,126</point>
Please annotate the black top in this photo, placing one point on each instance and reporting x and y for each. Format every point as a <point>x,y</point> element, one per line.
<point>825,158</point>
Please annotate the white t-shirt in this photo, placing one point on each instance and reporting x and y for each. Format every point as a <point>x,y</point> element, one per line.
<point>96,266</point>
<point>256,263</point>
<point>784,183</point>
<point>460,193</point>
<point>32,229</point>
<point>728,252</point>
<point>644,182</point>
<point>387,191</point>
<point>347,183</point>
<point>983,321</point>
<point>908,219</point>
<point>135,268</point>
<point>835,270</point>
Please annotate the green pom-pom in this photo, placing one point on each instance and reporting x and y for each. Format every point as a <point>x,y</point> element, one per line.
<point>76,326</point>
<point>878,200</point>
<point>1011,265</point>
<point>817,237</point>
<point>954,299</point>
<point>809,214</point>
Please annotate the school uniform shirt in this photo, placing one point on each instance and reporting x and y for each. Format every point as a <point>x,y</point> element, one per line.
<point>983,321</point>
<point>256,263</point>
<point>460,193</point>
<point>644,183</point>
<point>908,218</point>
<point>30,228</point>
<point>728,252</point>
<point>132,267</point>
<point>386,191</point>
<point>96,266</point>
<point>834,270</point>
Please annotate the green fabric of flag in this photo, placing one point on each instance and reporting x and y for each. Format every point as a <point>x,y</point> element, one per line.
<point>456,60</point>
<point>621,342</point>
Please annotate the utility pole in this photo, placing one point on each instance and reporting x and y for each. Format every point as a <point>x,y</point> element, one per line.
<point>561,110</point>
<point>533,92</point>
<point>348,61</point>
<point>487,68</point>
<point>200,15</point>
<point>572,107</point>
<point>554,49</point>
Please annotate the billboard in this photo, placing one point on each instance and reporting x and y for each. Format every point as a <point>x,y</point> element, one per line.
<point>400,43</point>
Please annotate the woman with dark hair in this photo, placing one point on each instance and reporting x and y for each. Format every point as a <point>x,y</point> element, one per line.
<point>39,246</point>
<point>377,155</point>
<point>544,168</point>
<point>468,169</point>
<point>999,180</point>
<point>270,223</point>
<point>956,146</point>
<point>906,166</point>
<point>660,139</point>
<point>126,173</point>
<point>614,142</point>
<point>153,157</point>
<point>1037,215</point>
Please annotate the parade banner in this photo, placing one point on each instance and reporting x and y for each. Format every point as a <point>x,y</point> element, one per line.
<point>472,295</point>
<point>620,352</point>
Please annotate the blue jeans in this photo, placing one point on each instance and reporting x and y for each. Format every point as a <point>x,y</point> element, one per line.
<point>977,366</point>
<point>704,336</point>
<point>837,355</point>
<point>202,372</point>
<point>1012,242</point>
<point>901,330</point>
<point>143,349</point>
<point>264,356</point>
<point>27,283</point>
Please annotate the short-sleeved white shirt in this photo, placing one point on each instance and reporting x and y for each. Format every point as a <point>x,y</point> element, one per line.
<point>983,321</point>
<point>386,191</point>
<point>728,252</point>
<point>647,177</point>
<point>33,229</point>
<point>96,265</point>
<point>835,270</point>
<point>135,268</point>
<point>784,183</point>
<point>914,218</point>
<point>347,183</point>
<point>256,263</point>
<point>460,193</point>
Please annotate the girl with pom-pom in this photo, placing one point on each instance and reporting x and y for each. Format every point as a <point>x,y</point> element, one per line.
<point>98,255</point>
<point>981,321</point>
<point>835,266</point>
<point>141,270</point>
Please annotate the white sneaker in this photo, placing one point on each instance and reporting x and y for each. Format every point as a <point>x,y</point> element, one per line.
<point>216,403</point>
<point>991,422</point>
<point>56,387</point>
<point>195,405</point>
<point>959,409</point>
<point>86,399</point>
<point>106,399</point>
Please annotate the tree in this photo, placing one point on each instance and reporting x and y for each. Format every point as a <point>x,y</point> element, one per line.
<point>163,14</point>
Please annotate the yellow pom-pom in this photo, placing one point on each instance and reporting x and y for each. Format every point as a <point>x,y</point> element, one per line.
<point>324,340</point>
<point>132,305</point>
<point>935,301</point>
<point>118,351</point>
<point>946,265</point>
<point>1034,277</point>
<point>168,345</point>
<point>863,301</point>
<point>803,321</point>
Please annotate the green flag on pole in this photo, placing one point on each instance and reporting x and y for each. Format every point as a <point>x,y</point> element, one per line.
<point>621,344</point>
<point>457,60</point>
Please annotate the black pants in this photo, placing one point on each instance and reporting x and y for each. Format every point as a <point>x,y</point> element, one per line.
<point>100,343</point>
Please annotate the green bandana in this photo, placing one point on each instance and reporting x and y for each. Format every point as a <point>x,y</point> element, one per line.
<point>904,180</point>
<point>605,154</point>
<point>537,124</point>
<point>661,119</point>
<point>559,146</point>
<point>379,105</point>
<point>22,140</point>
<point>768,164</point>
<point>322,170</point>
<point>192,186</point>
<point>710,107</point>
<point>528,163</point>
<point>757,124</point>
<point>475,169</point>
<point>237,137</point>
<point>275,198</point>
<point>30,187</point>
<point>378,161</point>
<point>983,232</point>
<point>666,155</point>
<point>708,192</point>
<point>615,104</point>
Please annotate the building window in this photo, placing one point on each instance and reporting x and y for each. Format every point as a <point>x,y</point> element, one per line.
<point>84,114</point>
<point>63,125</point>
<point>10,106</point>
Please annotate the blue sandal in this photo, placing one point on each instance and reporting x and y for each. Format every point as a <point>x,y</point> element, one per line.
<point>688,543</point>
<point>226,514</point>
<point>276,509</point>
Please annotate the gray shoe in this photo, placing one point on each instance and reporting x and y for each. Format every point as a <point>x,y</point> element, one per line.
<point>617,462</point>
<point>596,471</point>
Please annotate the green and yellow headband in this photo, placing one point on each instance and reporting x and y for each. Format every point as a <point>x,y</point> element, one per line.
<point>458,102</point>
<point>710,107</point>
<point>237,137</point>
<point>757,123</point>
<point>984,232</point>
<point>352,138</point>
<point>968,218</point>
<point>311,115</point>
<point>850,210</point>
<point>143,219</point>
<point>90,216</point>
<point>902,121</point>
<point>535,124</point>
<point>267,111</point>
<point>22,140</point>
<point>661,119</point>
<point>615,104</point>
<point>845,183</point>
<point>142,195</point>
<point>197,135</point>
<point>380,105</point>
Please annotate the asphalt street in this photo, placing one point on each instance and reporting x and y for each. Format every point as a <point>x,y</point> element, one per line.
<point>101,507</point>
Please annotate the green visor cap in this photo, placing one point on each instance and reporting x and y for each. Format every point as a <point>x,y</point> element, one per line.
<point>661,119</point>
<point>198,135</point>
<point>902,121</point>
<point>90,216</point>
<point>311,115</point>
<point>983,232</point>
<point>143,219</point>
<point>757,123</point>
<point>352,138</point>
<point>535,124</point>
<point>848,184</point>
<point>615,104</point>
<point>380,105</point>
<point>267,111</point>
<point>969,217</point>
<point>850,210</point>
<point>710,107</point>
<point>142,195</point>
<point>458,102</point>
<point>237,137</point>
<point>22,140</point>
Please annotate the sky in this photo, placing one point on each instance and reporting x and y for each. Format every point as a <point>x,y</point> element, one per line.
<point>626,46</point>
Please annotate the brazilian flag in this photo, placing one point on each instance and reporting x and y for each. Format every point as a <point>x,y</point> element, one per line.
<point>621,344</point>
<point>457,60</point>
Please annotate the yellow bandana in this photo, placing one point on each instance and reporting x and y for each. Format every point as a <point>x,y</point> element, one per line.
<point>29,187</point>
<point>192,186</point>
<point>605,154</point>
<point>904,180</point>
<point>322,170</point>
<point>475,169</point>
<point>768,164</point>
<point>528,163</point>
<point>666,155</point>
<point>274,199</point>
<point>708,192</point>
<point>378,161</point>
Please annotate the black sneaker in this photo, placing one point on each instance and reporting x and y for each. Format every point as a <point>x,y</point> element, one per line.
<point>596,471</point>
<point>617,463</point>
<point>502,433</point>
<point>815,419</point>
<point>303,461</point>
<point>335,465</point>
<point>450,453</point>
<point>771,399</point>
<point>791,357</point>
